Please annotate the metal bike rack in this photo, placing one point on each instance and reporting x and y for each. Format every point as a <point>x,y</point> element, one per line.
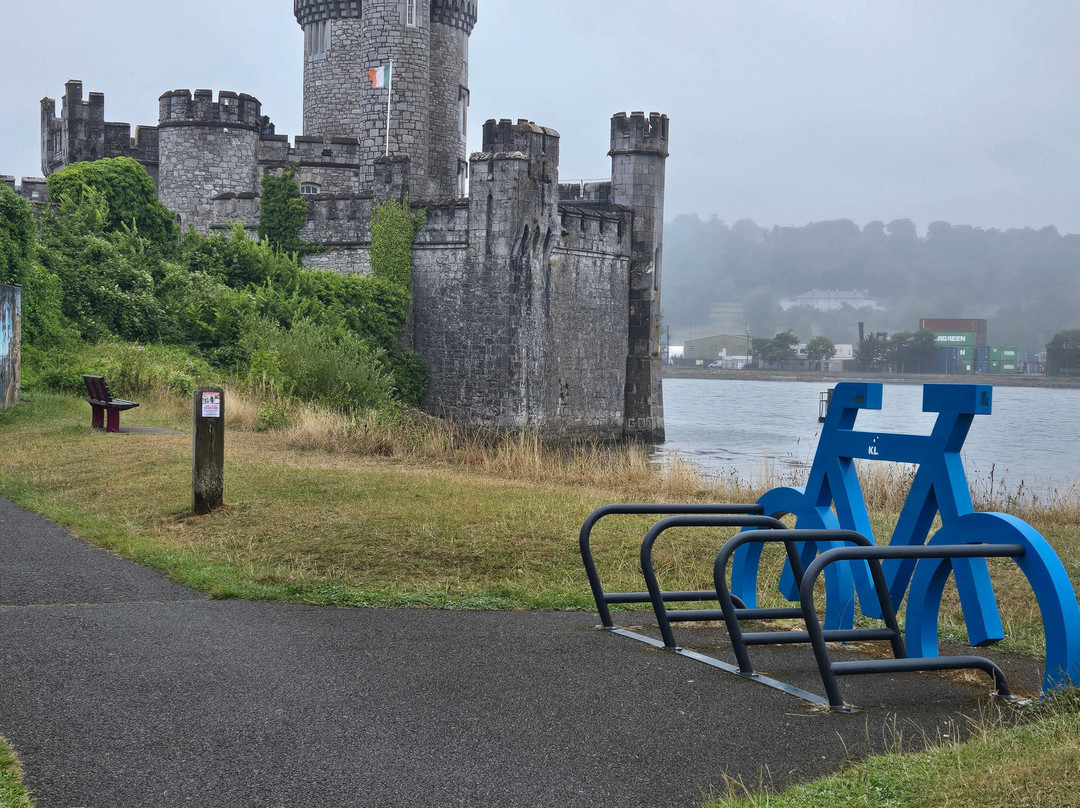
<point>818,638</point>
<point>602,598</point>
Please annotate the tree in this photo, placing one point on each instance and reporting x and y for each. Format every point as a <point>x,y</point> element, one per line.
<point>283,212</point>
<point>781,348</point>
<point>909,351</point>
<point>16,236</point>
<point>820,349</point>
<point>1063,353</point>
<point>129,193</point>
<point>870,353</point>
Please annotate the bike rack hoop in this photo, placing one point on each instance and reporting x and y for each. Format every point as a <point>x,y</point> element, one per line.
<point>657,596</point>
<point>603,598</point>
<point>902,663</point>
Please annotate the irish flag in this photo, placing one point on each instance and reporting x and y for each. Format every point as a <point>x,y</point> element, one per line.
<point>380,77</point>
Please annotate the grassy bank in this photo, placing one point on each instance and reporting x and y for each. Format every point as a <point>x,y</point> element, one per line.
<point>12,792</point>
<point>1034,764</point>
<point>420,514</point>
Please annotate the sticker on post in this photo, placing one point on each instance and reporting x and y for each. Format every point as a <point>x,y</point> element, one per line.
<point>211,405</point>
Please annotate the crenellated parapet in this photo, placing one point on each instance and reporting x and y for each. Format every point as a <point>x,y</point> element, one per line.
<point>597,192</point>
<point>595,230</point>
<point>33,189</point>
<point>456,13</point>
<point>309,11</point>
<point>504,136</point>
<point>640,134</point>
<point>182,108</point>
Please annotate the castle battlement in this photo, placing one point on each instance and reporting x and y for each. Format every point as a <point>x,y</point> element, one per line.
<point>92,109</point>
<point>595,230</point>
<point>329,151</point>
<point>637,133</point>
<point>182,108</point>
<point>32,189</point>
<point>457,13</point>
<point>525,136</point>
<point>598,192</point>
<point>309,11</point>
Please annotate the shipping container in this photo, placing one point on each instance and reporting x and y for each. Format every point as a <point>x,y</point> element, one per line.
<point>982,352</point>
<point>1003,353</point>
<point>982,366</point>
<point>949,360</point>
<point>961,339</point>
<point>947,324</point>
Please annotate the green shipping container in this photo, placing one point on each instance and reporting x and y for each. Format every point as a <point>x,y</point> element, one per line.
<point>1009,354</point>
<point>954,339</point>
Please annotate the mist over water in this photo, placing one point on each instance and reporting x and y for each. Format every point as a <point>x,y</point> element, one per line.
<point>749,428</point>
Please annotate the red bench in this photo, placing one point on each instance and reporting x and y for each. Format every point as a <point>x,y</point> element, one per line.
<point>102,402</point>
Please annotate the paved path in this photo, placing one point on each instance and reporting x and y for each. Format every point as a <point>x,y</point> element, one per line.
<point>120,689</point>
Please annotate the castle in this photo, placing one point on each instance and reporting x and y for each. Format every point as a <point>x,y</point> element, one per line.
<point>535,303</point>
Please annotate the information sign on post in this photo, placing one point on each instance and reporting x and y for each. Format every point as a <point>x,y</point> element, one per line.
<point>208,461</point>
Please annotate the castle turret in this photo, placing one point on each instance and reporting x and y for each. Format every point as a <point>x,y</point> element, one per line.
<point>207,149</point>
<point>639,151</point>
<point>426,41</point>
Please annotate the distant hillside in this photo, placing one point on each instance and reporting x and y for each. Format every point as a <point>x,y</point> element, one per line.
<point>718,278</point>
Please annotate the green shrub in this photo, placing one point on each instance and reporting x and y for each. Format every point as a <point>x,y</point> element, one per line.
<point>314,364</point>
<point>129,192</point>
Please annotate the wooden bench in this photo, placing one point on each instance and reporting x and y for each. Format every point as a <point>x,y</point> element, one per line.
<point>102,402</point>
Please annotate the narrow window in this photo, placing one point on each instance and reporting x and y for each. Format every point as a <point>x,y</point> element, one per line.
<point>410,13</point>
<point>463,178</point>
<point>463,109</point>
<point>318,39</point>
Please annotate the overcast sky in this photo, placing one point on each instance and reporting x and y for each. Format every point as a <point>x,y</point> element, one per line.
<point>783,111</point>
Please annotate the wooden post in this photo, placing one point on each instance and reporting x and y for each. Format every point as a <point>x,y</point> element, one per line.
<point>208,461</point>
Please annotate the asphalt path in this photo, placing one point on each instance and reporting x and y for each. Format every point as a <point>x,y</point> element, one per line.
<point>120,689</point>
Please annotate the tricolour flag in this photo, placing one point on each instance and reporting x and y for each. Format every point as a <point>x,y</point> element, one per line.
<point>380,77</point>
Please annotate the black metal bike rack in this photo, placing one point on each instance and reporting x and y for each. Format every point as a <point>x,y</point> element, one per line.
<point>602,598</point>
<point>863,551</point>
<point>763,529</point>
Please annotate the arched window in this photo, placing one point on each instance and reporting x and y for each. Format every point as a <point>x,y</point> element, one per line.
<point>309,188</point>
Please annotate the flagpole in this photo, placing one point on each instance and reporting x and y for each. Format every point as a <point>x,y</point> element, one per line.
<point>389,95</point>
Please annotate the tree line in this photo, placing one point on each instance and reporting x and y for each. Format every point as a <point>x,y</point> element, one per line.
<point>1021,280</point>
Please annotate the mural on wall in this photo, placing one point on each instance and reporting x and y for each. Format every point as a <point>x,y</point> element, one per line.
<point>10,331</point>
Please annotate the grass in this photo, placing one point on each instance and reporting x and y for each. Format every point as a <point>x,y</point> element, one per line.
<point>12,792</point>
<point>414,512</point>
<point>1034,764</point>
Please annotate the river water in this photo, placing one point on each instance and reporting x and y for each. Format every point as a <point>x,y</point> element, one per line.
<point>750,429</point>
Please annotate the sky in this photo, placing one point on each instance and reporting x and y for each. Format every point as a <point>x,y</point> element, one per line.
<point>782,111</point>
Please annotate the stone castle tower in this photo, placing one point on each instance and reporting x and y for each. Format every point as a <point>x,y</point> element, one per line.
<point>427,43</point>
<point>535,302</point>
